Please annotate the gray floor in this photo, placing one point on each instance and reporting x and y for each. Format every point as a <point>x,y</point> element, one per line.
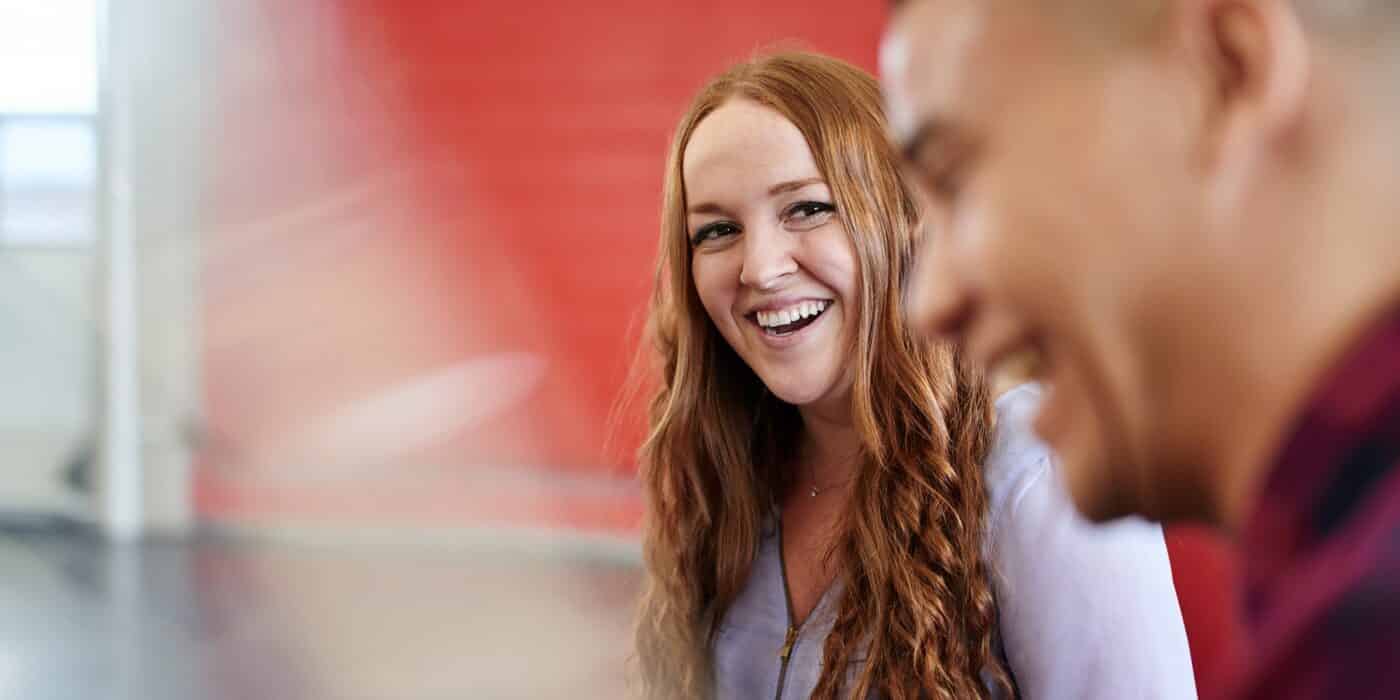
<point>220,618</point>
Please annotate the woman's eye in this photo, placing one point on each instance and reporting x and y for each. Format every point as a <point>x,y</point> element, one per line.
<point>809,213</point>
<point>710,232</point>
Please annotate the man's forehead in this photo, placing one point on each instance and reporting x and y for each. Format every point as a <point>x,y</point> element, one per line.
<point>955,58</point>
<point>936,33</point>
<point>929,57</point>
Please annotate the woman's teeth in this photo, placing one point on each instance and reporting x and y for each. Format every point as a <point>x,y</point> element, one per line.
<point>771,320</point>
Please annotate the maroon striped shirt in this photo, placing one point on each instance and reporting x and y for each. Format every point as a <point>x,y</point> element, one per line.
<point>1322,550</point>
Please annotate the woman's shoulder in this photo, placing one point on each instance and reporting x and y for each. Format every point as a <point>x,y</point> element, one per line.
<point>1105,590</point>
<point>1018,458</point>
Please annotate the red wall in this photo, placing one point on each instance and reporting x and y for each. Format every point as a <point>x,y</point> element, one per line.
<point>400,190</point>
<point>432,226</point>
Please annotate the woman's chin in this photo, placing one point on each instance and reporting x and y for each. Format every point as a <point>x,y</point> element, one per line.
<point>800,391</point>
<point>795,394</point>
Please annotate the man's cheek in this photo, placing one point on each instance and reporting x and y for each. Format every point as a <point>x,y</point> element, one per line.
<point>986,250</point>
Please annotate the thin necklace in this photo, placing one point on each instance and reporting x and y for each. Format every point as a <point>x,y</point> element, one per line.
<point>819,490</point>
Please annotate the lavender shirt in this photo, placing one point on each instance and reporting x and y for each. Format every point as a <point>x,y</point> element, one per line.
<point>1086,611</point>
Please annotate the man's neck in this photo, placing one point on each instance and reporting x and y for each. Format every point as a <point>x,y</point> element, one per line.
<point>1277,359</point>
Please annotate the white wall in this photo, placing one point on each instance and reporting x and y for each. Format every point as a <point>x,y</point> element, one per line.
<point>48,363</point>
<point>99,342</point>
<point>48,348</point>
<point>155,120</point>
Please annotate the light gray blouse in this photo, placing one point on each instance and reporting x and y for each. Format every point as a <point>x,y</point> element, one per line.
<point>1086,611</point>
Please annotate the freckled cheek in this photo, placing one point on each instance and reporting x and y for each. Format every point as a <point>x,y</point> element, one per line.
<point>716,287</point>
<point>834,263</point>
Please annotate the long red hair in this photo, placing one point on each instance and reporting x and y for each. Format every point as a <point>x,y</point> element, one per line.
<point>917,598</point>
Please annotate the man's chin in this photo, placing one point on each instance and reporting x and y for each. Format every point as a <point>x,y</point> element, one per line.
<point>1096,495</point>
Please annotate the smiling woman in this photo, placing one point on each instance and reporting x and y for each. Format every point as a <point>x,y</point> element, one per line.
<point>782,431</point>
<point>830,512</point>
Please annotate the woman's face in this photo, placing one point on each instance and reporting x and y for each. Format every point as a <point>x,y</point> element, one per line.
<point>771,260</point>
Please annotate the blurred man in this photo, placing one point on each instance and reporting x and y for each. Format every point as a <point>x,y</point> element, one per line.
<point>1188,213</point>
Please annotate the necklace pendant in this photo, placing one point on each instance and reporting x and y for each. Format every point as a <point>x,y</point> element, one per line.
<point>815,492</point>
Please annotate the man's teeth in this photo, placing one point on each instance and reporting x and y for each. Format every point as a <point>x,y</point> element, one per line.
<point>1023,365</point>
<point>792,314</point>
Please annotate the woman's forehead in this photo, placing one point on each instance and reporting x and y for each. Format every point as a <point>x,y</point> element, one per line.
<point>745,143</point>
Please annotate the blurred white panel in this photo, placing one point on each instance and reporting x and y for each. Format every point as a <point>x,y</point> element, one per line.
<point>48,56</point>
<point>48,179</point>
<point>48,153</point>
<point>47,357</point>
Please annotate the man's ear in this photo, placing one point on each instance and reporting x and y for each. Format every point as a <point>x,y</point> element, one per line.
<point>1257,70</point>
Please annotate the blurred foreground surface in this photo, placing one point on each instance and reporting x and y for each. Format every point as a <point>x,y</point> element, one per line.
<point>223,618</point>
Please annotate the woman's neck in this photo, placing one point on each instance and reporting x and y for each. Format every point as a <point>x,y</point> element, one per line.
<point>829,447</point>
